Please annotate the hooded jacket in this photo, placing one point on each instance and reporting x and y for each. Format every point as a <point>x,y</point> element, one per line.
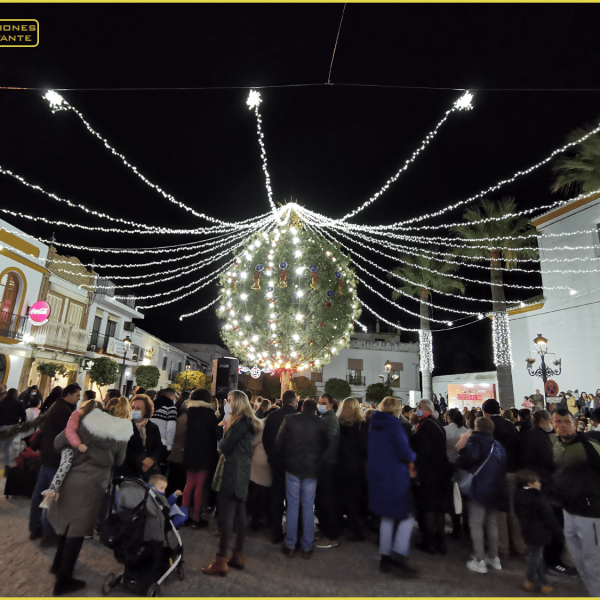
<point>56,421</point>
<point>77,508</point>
<point>389,456</point>
<point>489,485</point>
<point>536,518</point>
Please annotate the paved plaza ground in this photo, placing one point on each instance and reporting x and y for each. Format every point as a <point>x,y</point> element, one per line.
<point>351,569</point>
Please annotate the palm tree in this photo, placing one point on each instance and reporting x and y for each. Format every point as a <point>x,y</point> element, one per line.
<point>582,171</point>
<point>415,269</point>
<point>506,239</point>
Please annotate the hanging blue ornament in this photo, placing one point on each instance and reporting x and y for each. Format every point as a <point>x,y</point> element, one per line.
<point>338,275</point>
<point>312,269</point>
<point>259,267</point>
<point>329,293</point>
<point>270,289</point>
<point>283,265</point>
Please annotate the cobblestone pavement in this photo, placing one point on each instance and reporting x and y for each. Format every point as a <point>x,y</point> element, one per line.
<point>351,569</point>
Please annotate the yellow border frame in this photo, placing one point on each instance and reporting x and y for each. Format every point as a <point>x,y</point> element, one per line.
<point>5,340</point>
<point>26,45</point>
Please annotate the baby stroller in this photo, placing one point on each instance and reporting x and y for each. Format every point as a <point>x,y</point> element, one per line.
<point>136,525</point>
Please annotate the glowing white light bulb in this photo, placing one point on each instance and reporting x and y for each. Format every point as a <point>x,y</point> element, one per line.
<point>299,293</point>
<point>254,99</point>
<point>299,317</point>
<point>295,337</point>
<point>295,240</point>
<point>572,292</point>
<point>299,270</point>
<point>243,275</point>
<point>255,338</point>
<point>247,318</point>
<point>464,102</point>
<point>293,354</point>
<point>273,326</point>
<point>273,315</point>
<point>293,230</point>
<point>243,296</point>
<point>297,254</point>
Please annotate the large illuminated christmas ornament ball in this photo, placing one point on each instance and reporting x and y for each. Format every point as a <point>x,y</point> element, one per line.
<point>289,300</point>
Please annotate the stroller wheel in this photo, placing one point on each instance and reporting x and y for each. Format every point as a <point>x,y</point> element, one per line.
<point>109,583</point>
<point>180,571</point>
<point>153,590</point>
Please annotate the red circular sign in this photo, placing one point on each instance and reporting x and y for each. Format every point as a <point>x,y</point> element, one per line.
<point>551,388</point>
<point>39,313</point>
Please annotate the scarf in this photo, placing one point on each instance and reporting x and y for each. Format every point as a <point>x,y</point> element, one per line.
<point>141,427</point>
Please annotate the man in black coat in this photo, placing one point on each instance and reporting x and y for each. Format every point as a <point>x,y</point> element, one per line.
<point>302,443</point>
<point>55,423</point>
<point>272,424</point>
<point>506,433</point>
<point>536,447</point>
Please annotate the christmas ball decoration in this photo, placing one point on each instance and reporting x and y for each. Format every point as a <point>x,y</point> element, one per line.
<point>285,325</point>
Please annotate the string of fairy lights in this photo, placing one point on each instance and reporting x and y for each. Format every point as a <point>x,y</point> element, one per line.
<point>379,255</point>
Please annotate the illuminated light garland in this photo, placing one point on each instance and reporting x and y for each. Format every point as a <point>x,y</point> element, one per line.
<point>64,105</point>
<point>384,320</point>
<point>501,339</point>
<point>463,103</point>
<point>394,304</point>
<point>408,280</point>
<point>150,228</point>
<point>179,289</point>
<point>190,268</point>
<point>426,351</point>
<point>199,310</point>
<point>363,327</point>
<point>525,287</point>
<point>498,185</point>
<point>253,102</point>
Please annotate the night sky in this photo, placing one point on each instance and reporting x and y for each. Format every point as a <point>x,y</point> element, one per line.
<point>330,147</point>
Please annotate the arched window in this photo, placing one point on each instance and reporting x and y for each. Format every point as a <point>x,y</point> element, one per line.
<point>9,286</point>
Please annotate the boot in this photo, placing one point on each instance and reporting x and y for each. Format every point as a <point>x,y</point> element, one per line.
<point>401,564</point>
<point>236,561</point>
<point>217,567</point>
<point>385,563</point>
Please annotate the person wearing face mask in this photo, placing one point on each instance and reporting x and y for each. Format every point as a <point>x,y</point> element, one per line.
<point>28,394</point>
<point>145,449</point>
<point>329,519</point>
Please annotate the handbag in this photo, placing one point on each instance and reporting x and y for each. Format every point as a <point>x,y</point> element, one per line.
<point>466,482</point>
<point>218,478</point>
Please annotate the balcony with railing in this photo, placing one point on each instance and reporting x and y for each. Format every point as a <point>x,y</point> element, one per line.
<point>356,380</point>
<point>12,325</point>
<point>60,336</point>
<point>107,344</point>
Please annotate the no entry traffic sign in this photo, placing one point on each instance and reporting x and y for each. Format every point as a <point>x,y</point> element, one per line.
<point>551,388</point>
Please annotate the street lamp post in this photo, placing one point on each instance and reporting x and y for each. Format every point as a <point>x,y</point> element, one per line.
<point>126,346</point>
<point>388,381</point>
<point>543,371</point>
<point>187,370</point>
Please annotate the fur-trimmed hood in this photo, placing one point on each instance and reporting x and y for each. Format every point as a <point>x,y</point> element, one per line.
<point>104,426</point>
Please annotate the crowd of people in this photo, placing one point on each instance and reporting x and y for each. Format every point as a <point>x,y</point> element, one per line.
<point>523,480</point>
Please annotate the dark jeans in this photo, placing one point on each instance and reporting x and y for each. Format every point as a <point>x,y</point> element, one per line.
<point>349,493</point>
<point>277,498</point>
<point>67,553</point>
<point>257,496</point>
<point>535,566</point>
<point>38,523</point>
<point>329,518</point>
<point>232,514</point>
<point>553,552</point>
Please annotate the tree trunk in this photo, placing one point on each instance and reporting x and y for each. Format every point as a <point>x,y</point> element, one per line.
<point>426,372</point>
<point>285,382</point>
<point>502,352</point>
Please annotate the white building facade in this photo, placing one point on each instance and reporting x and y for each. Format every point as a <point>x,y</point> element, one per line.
<point>568,318</point>
<point>364,361</point>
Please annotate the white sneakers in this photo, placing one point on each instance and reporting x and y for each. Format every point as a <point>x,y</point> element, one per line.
<point>494,563</point>
<point>480,566</point>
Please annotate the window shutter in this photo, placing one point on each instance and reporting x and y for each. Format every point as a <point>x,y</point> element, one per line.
<point>355,364</point>
<point>316,377</point>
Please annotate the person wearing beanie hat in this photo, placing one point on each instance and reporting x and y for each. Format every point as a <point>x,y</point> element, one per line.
<point>506,434</point>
